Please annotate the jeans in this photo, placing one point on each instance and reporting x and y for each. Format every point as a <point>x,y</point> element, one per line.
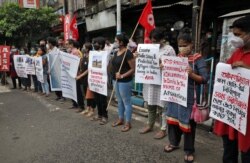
<point>45,85</point>
<point>123,92</point>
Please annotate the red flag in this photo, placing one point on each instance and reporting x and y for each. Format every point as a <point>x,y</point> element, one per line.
<point>147,21</point>
<point>74,29</point>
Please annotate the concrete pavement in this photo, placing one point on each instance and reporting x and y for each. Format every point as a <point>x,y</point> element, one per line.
<point>34,128</point>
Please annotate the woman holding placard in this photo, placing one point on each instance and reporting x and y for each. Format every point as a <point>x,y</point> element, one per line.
<point>233,140</point>
<point>152,92</point>
<point>178,116</point>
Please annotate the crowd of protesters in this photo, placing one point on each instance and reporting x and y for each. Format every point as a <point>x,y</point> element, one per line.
<point>175,119</point>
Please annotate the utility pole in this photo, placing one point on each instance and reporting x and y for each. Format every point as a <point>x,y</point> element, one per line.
<point>195,20</point>
<point>118,17</point>
<point>71,8</point>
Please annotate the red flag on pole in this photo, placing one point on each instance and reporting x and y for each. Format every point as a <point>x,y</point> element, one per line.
<point>147,21</point>
<point>74,29</point>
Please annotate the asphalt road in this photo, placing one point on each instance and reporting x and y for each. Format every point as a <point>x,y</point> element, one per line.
<point>36,129</point>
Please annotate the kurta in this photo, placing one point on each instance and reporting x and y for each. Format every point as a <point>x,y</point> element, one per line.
<point>221,128</point>
<point>178,114</point>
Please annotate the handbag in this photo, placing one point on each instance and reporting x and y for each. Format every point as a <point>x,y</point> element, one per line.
<point>200,112</point>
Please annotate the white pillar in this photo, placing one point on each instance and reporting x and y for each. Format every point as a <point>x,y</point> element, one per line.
<point>118,17</point>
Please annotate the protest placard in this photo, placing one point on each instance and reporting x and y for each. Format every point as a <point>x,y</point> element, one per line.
<point>98,76</point>
<point>230,96</point>
<point>30,65</point>
<point>147,69</point>
<point>55,69</point>
<point>69,69</point>
<point>174,80</point>
<point>4,58</point>
<point>39,69</point>
<point>20,66</point>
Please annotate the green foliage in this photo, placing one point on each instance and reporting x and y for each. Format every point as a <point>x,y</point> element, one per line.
<point>16,22</point>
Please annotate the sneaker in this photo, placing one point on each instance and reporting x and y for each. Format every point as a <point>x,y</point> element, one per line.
<point>58,98</point>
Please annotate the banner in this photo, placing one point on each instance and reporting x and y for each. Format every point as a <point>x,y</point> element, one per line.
<point>30,65</point>
<point>4,58</point>
<point>29,3</point>
<point>70,64</point>
<point>174,80</point>
<point>66,27</point>
<point>55,69</point>
<point>147,64</point>
<point>20,66</point>
<point>98,76</point>
<point>39,69</point>
<point>230,96</point>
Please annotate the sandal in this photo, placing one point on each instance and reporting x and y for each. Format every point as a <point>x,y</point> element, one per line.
<point>96,118</point>
<point>117,123</point>
<point>170,148</point>
<point>145,130</point>
<point>189,158</point>
<point>126,128</point>
<point>103,121</point>
<point>161,134</point>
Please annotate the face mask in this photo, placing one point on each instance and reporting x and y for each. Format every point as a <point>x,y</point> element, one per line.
<point>69,50</point>
<point>235,41</point>
<point>47,46</point>
<point>96,46</point>
<point>22,52</point>
<point>32,52</point>
<point>184,50</point>
<point>115,45</point>
<point>209,36</point>
<point>13,50</point>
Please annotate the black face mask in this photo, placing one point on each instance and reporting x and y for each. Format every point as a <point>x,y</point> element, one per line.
<point>97,47</point>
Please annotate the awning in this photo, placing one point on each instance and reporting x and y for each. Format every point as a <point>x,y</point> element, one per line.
<point>236,13</point>
<point>185,3</point>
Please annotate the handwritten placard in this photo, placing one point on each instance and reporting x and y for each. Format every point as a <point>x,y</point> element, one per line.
<point>230,96</point>
<point>174,80</point>
<point>147,64</point>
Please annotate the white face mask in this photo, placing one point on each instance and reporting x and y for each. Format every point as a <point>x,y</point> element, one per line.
<point>235,41</point>
<point>47,46</point>
<point>115,45</point>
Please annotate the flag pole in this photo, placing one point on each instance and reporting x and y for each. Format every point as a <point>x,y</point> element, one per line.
<point>113,90</point>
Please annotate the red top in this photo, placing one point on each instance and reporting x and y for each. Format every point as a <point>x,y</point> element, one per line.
<point>221,128</point>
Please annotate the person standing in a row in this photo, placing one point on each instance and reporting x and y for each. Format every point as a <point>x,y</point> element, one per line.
<point>179,117</point>
<point>233,140</point>
<point>101,100</point>
<point>123,80</point>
